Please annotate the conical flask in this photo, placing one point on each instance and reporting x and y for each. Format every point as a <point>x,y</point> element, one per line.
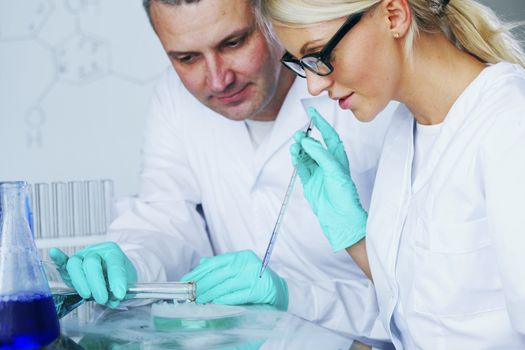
<point>28,319</point>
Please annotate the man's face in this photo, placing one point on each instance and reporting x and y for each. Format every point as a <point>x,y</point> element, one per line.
<point>221,55</point>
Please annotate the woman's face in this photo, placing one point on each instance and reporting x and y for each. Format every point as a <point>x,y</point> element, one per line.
<point>366,61</point>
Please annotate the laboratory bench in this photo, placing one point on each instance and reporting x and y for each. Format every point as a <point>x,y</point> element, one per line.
<point>258,327</point>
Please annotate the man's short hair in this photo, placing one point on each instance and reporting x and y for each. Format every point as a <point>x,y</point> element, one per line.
<point>261,22</point>
<point>147,4</point>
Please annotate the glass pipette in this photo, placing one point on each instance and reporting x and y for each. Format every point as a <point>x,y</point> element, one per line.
<point>284,205</point>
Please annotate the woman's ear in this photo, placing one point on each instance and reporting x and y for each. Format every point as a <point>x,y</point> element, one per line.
<point>398,16</point>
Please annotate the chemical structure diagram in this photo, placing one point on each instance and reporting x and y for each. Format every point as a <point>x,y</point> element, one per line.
<point>71,44</point>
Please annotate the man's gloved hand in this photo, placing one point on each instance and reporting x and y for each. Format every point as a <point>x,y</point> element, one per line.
<point>328,186</point>
<point>233,278</point>
<point>95,267</point>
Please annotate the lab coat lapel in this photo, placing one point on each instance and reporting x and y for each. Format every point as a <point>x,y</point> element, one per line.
<point>457,116</point>
<point>392,192</point>
<point>390,200</point>
<point>235,156</point>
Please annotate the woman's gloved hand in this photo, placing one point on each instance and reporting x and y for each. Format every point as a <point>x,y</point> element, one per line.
<point>233,279</point>
<point>328,186</point>
<point>92,269</point>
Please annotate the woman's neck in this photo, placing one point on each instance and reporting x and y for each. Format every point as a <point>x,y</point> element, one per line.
<point>437,76</point>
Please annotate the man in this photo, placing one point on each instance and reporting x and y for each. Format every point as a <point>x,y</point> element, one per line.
<point>217,136</point>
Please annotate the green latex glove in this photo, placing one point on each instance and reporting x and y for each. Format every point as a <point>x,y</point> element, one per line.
<point>233,279</point>
<point>94,268</point>
<point>328,186</point>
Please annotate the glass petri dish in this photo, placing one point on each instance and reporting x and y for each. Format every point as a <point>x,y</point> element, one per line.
<point>168,316</point>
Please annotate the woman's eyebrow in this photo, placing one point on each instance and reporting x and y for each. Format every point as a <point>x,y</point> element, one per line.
<point>308,46</point>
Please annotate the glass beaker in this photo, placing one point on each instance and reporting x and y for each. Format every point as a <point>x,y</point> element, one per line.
<point>28,319</point>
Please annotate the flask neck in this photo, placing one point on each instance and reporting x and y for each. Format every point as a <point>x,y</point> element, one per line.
<point>13,197</point>
<point>14,227</point>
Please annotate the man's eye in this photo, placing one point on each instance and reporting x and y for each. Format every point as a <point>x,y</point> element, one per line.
<point>234,43</point>
<point>186,59</point>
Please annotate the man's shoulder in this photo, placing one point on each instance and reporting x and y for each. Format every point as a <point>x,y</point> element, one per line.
<point>171,84</point>
<point>171,93</point>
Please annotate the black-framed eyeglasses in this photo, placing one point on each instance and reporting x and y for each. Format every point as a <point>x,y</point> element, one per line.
<point>319,62</point>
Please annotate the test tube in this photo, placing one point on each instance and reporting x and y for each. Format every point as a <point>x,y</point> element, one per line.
<point>94,194</point>
<point>59,207</point>
<point>108,194</point>
<point>178,291</point>
<point>53,210</point>
<point>42,211</point>
<point>70,218</point>
<point>79,208</point>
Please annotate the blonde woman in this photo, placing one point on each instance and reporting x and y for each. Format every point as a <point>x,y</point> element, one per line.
<point>445,239</point>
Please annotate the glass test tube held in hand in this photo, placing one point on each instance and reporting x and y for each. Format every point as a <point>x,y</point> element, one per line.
<point>67,299</point>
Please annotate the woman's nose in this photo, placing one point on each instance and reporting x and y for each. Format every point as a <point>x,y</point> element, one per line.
<point>316,83</point>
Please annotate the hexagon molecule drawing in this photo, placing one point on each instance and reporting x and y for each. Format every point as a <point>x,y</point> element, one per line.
<point>82,58</point>
<point>30,17</point>
<point>74,71</point>
<point>76,6</point>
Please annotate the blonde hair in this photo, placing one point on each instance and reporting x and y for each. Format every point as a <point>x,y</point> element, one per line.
<point>471,26</point>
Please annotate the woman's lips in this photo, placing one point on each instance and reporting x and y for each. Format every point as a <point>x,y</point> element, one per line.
<point>344,102</point>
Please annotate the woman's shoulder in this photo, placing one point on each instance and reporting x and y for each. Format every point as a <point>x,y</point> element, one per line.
<point>503,78</point>
<point>502,107</point>
<point>499,89</point>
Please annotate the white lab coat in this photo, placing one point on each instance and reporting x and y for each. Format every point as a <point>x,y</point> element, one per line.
<point>464,221</point>
<point>193,155</point>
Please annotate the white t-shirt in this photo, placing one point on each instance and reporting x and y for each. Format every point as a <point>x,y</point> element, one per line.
<point>424,138</point>
<point>258,130</point>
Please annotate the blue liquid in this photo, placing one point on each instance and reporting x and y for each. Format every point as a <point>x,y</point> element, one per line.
<point>28,323</point>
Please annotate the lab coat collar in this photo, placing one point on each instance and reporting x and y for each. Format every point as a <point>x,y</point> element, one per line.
<point>292,117</point>
<point>391,198</point>
<point>460,115</point>
<point>392,186</point>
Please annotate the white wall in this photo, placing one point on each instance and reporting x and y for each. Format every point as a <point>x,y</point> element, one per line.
<point>509,10</point>
<point>75,81</point>
<point>76,78</point>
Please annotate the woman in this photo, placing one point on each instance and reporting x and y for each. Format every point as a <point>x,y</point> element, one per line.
<point>446,232</point>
